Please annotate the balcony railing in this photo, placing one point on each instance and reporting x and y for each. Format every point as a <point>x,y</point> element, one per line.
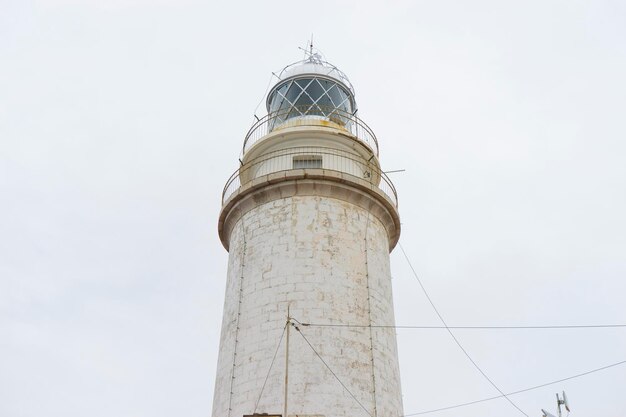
<point>328,159</point>
<point>311,115</point>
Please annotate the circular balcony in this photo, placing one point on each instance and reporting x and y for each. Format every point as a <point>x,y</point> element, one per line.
<point>311,161</point>
<point>311,115</point>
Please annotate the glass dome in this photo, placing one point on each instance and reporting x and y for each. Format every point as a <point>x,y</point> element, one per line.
<point>311,88</point>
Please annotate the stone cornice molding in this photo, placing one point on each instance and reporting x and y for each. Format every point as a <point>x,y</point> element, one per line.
<point>310,182</point>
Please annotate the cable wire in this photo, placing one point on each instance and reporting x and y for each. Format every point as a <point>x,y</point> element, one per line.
<point>265,93</point>
<point>256,405</point>
<point>382,326</point>
<point>329,369</point>
<point>369,312</point>
<point>519,391</point>
<point>454,337</point>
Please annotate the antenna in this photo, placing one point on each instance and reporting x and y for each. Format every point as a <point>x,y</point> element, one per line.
<point>308,51</point>
<point>559,402</point>
<point>562,401</point>
<point>315,57</point>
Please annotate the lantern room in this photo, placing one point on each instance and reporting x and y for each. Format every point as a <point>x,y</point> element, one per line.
<point>311,88</point>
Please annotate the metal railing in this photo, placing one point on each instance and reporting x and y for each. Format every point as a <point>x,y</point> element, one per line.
<point>311,115</point>
<point>310,157</point>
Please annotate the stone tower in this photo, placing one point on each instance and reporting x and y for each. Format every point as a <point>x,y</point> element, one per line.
<point>309,220</point>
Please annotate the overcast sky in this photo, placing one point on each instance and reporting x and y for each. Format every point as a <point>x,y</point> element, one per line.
<point>121,120</point>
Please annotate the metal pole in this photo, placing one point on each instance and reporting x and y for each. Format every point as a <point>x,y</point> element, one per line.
<point>287,361</point>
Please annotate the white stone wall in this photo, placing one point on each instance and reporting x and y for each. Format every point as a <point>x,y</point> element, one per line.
<point>310,252</point>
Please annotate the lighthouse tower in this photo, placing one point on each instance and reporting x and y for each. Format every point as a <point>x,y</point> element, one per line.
<point>309,220</point>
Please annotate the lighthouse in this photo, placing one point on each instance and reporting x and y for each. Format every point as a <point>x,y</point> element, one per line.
<point>309,220</point>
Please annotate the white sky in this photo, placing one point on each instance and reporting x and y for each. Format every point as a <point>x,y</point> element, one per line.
<point>121,120</point>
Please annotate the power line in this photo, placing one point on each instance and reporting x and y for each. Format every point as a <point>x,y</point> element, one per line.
<point>517,392</point>
<point>266,90</point>
<point>454,337</point>
<point>331,371</point>
<point>256,405</point>
<point>573,326</point>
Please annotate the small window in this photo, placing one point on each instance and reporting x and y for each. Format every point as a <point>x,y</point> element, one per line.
<point>307,161</point>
